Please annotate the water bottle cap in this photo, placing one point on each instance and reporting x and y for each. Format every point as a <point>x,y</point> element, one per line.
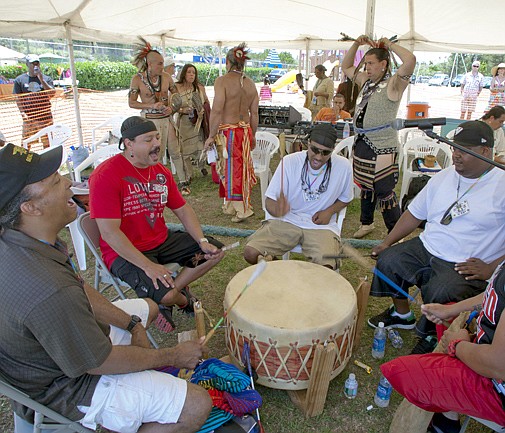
<point>352,376</point>
<point>381,324</point>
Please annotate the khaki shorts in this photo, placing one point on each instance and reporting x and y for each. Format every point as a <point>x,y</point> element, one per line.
<point>277,237</point>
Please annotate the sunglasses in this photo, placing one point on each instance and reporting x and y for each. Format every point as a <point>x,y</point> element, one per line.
<point>475,66</point>
<point>447,218</point>
<point>318,151</point>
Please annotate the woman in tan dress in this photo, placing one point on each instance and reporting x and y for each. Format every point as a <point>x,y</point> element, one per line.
<point>190,122</point>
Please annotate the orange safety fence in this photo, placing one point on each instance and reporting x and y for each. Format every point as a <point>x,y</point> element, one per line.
<point>38,108</point>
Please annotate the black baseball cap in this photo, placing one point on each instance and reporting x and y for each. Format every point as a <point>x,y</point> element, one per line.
<point>325,135</point>
<point>474,133</point>
<point>20,167</point>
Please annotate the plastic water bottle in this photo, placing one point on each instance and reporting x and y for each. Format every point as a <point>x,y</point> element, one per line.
<point>351,386</point>
<point>347,130</point>
<point>395,338</point>
<point>383,394</point>
<point>379,342</point>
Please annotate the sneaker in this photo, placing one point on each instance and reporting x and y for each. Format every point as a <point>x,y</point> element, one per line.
<point>392,321</point>
<point>189,308</point>
<point>164,321</point>
<point>425,345</point>
<point>441,424</point>
<point>363,231</point>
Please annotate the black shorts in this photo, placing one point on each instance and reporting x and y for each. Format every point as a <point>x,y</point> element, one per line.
<point>179,247</point>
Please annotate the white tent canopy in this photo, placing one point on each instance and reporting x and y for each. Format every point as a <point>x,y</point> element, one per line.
<point>423,25</point>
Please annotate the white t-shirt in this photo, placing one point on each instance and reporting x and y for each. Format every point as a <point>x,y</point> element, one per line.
<point>302,209</point>
<point>480,232</point>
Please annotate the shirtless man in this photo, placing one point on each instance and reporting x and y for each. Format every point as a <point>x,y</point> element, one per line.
<point>235,114</point>
<point>153,85</point>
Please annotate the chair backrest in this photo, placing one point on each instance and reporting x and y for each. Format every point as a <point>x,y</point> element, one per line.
<point>346,143</point>
<point>97,157</point>
<point>57,135</point>
<point>112,125</point>
<point>266,145</point>
<point>90,232</point>
<point>64,424</point>
<point>421,146</point>
<point>306,114</point>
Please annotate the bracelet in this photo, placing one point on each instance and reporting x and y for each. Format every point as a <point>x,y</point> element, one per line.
<point>202,240</point>
<point>451,349</point>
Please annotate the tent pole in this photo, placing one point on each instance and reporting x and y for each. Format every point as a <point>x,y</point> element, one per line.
<point>370,18</point>
<point>74,82</point>
<point>220,46</point>
<point>307,61</point>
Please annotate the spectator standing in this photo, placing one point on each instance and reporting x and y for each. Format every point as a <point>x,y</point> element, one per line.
<point>265,91</point>
<point>471,86</point>
<point>497,87</point>
<point>322,93</point>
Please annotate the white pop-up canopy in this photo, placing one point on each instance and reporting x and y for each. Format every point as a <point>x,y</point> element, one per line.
<point>423,25</point>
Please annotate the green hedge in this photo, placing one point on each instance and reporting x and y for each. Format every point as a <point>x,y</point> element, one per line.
<point>117,75</point>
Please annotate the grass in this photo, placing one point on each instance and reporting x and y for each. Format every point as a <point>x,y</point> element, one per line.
<point>278,414</point>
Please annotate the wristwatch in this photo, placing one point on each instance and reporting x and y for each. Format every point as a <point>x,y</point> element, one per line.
<point>202,240</point>
<point>133,322</point>
<point>451,349</point>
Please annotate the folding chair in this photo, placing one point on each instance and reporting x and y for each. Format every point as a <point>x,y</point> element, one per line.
<point>91,235</point>
<point>45,420</point>
<point>298,248</point>
<point>266,145</point>
<point>493,426</point>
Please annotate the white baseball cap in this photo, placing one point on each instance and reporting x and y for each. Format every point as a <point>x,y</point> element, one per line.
<point>30,58</point>
<point>168,61</point>
<point>476,63</point>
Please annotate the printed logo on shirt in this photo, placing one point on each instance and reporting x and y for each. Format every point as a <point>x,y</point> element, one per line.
<point>161,179</point>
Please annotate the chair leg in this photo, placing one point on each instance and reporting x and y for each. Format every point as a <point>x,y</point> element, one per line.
<point>464,425</point>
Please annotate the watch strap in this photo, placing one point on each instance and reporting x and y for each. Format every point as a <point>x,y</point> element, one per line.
<point>133,322</point>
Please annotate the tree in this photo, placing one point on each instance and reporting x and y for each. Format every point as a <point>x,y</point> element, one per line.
<point>287,58</point>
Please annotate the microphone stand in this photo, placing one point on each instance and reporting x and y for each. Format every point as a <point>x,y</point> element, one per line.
<point>428,130</point>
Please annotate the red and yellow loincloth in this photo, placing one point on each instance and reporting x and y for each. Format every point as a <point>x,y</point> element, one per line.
<point>236,169</point>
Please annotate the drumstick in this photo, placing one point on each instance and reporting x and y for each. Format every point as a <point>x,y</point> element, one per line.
<point>260,267</point>
<point>230,246</point>
<point>349,250</point>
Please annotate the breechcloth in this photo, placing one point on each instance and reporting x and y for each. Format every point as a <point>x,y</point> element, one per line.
<point>236,169</point>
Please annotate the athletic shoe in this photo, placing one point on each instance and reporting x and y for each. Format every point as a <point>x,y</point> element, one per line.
<point>189,308</point>
<point>441,424</point>
<point>392,321</point>
<point>164,321</point>
<point>363,231</point>
<point>424,345</point>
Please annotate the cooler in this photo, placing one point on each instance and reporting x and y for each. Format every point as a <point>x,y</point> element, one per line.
<point>417,110</point>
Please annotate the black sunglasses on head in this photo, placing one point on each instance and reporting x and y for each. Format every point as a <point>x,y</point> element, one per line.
<point>318,151</point>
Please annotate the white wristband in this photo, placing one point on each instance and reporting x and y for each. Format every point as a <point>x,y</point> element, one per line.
<point>202,240</point>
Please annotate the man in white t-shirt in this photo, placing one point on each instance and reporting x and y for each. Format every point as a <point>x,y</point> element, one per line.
<point>303,200</point>
<point>463,241</point>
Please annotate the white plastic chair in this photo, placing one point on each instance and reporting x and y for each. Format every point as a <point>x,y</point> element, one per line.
<point>420,147</point>
<point>405,135</point>
<point>298,248</point>
<point>306,114</point>
<point>347,144</point>
<point>96,158</point>
<point>57,134</point>
<point>266,145</point>
<point>112,126</point>
<point>493,426</point>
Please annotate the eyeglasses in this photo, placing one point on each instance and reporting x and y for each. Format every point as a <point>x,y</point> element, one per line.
<point>447,218</point>
<point>318,151</point>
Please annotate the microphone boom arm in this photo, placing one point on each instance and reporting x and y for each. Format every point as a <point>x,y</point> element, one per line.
<point>430,133</point>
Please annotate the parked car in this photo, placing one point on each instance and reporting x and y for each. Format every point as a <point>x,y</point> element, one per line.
<point>456,81</point>
<point>275,74</point>
<point>486,82</point>
<point>422,79</point>
<point>439,80</point>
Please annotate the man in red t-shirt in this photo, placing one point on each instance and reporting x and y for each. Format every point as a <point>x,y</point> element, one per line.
<point>128,194</point>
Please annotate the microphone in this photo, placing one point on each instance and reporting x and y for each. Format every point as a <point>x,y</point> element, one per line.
<point>424,123</point>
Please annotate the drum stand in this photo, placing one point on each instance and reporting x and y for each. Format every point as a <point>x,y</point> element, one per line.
<point>311,401</point>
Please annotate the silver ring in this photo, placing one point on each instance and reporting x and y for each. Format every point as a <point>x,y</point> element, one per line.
<point>165,276</point>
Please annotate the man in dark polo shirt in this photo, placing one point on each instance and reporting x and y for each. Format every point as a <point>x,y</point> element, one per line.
<point>63,343</point>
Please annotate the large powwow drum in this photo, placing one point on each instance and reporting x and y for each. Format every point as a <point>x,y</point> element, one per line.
<point>290,308</point>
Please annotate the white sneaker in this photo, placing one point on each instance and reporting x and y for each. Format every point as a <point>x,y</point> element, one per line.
<point>363,231</point>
